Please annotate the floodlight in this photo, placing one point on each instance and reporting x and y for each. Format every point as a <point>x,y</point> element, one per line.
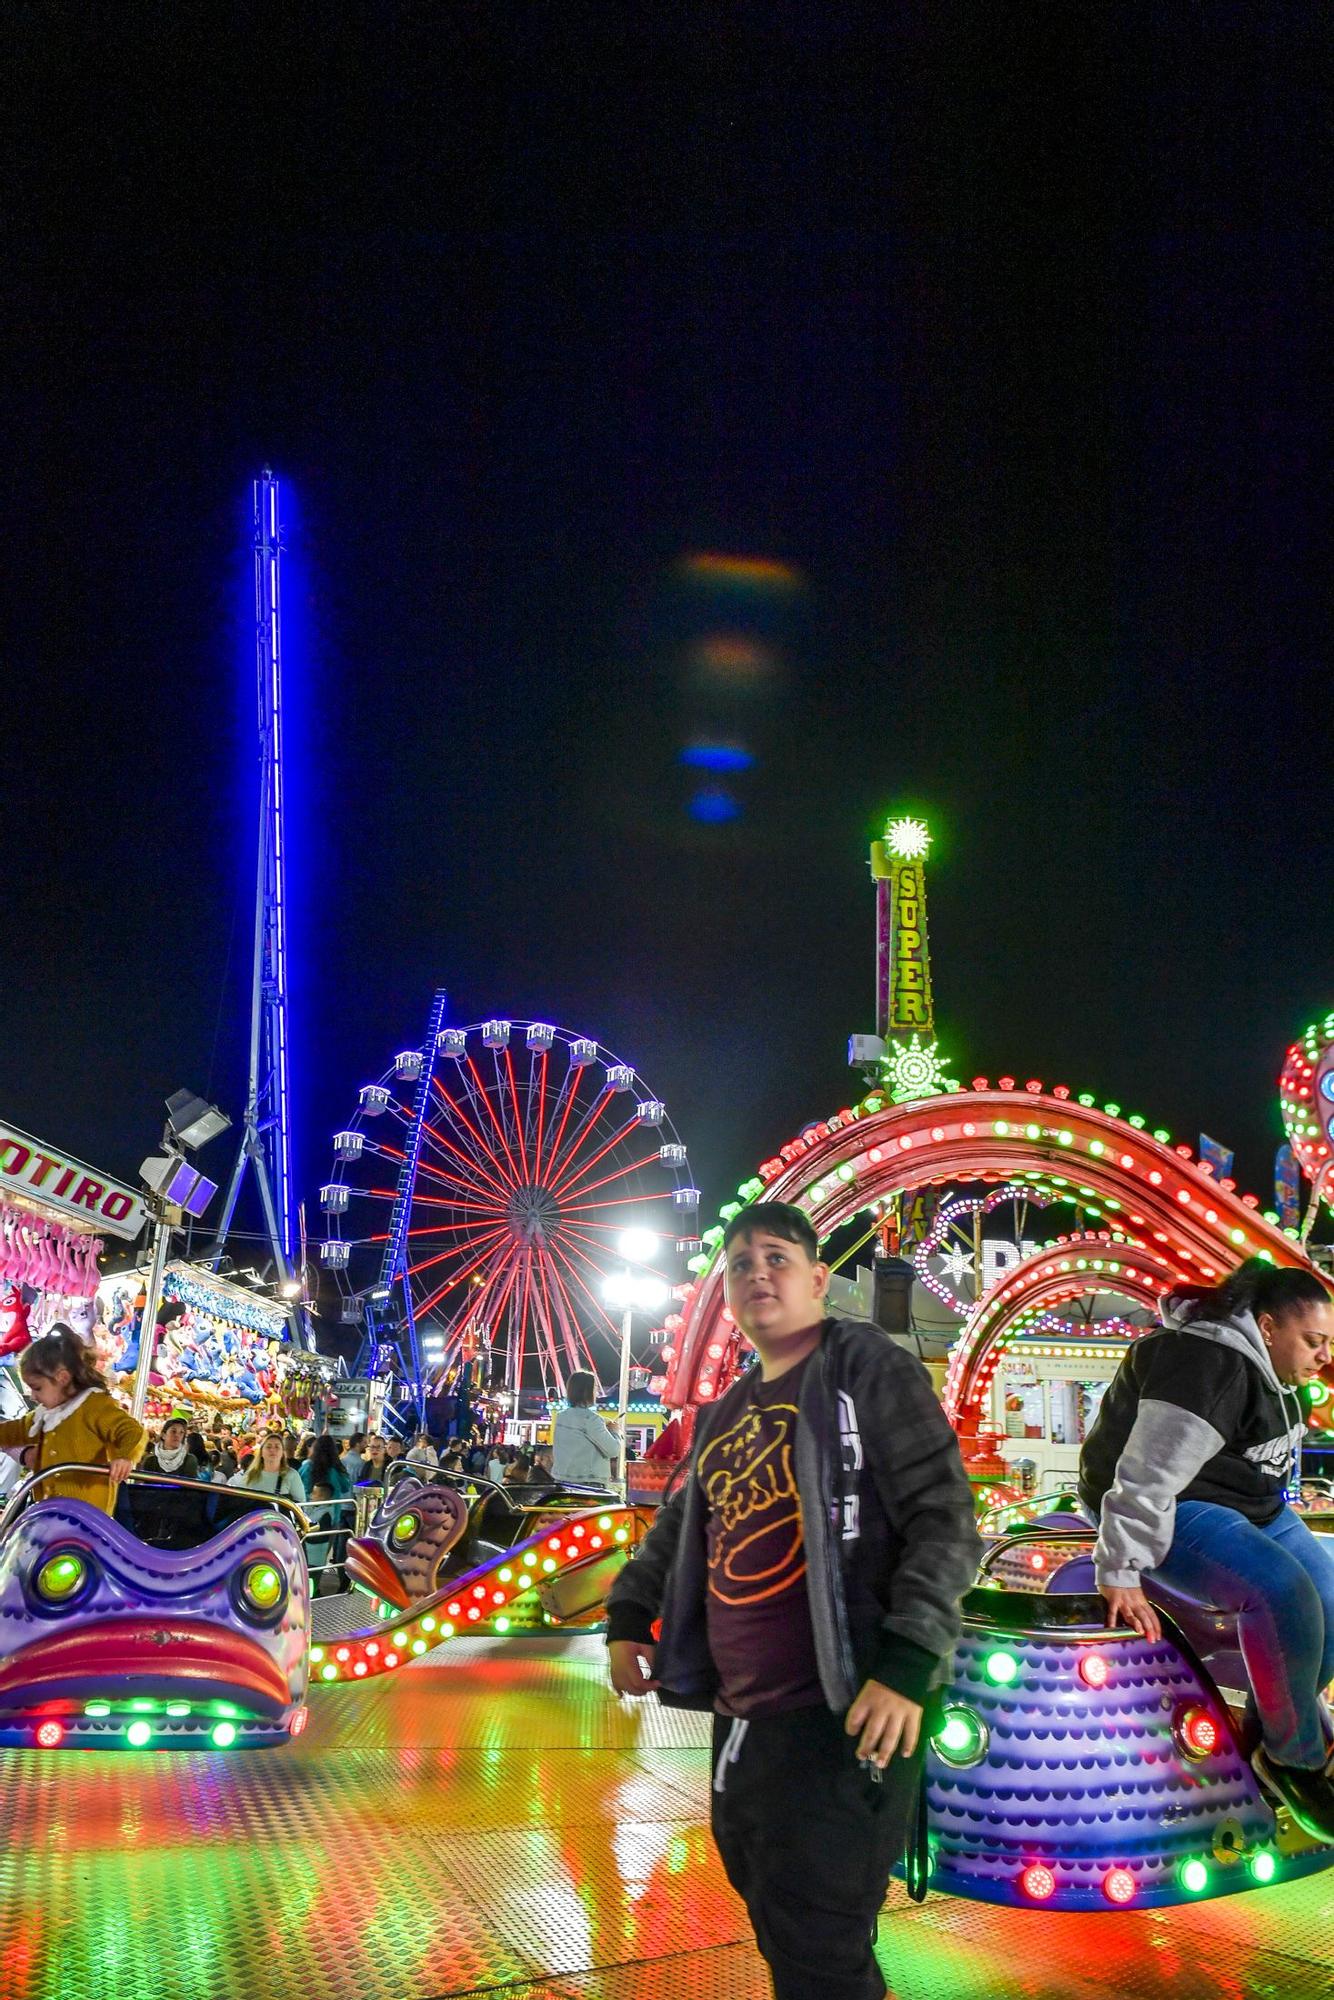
<point>637,1246</point>
<point>193,1120</point>
<point>177,1183</point>
<point>627,1291</point>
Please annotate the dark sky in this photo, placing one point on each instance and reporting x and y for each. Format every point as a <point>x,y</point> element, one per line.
<point>1013,347</point>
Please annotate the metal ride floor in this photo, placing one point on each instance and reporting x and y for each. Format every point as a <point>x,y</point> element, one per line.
<point>492,1821</point>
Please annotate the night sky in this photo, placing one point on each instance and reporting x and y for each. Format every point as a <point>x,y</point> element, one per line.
<point>1013,354</point>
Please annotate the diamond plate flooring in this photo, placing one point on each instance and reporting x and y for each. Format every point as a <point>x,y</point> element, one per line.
<point>492,1822</point>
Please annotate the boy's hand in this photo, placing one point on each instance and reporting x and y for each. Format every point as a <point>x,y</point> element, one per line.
<point>120,1468</point>
<point>887,1721</point>
<point>631,1665</point>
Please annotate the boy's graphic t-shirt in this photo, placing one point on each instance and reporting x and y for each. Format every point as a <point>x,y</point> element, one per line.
<point>759,1618</point>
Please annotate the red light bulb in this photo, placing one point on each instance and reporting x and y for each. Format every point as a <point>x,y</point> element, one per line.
<point>1038,1882</point>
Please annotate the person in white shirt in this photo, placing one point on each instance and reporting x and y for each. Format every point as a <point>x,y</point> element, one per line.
<point>269,1472</point>
<point>586,1450</point>
<point>422,1451</point>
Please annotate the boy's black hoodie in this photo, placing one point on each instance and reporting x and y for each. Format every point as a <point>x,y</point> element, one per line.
<point>887,1518</point>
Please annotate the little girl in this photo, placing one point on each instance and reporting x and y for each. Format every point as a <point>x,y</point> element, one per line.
<point>76,1422</point>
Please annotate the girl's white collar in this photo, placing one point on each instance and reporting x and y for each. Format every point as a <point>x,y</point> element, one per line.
<point>46,1420</point>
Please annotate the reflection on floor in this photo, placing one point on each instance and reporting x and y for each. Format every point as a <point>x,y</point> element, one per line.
<point>494,1822</point>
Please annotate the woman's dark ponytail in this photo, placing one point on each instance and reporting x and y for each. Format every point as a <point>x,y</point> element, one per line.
<point>1256,1286</point>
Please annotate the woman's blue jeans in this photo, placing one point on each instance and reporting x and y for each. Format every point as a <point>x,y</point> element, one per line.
<point>1279,1580</point>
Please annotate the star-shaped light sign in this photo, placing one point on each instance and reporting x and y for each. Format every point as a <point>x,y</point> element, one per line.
<point>907,839</point>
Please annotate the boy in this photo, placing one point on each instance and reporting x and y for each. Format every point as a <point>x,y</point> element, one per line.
<point>808,1577</point>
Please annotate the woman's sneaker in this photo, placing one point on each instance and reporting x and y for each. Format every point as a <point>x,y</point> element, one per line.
<point>1308,1795</point>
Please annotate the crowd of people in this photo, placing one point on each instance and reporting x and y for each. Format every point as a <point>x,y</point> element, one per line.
<point>76,1422</point>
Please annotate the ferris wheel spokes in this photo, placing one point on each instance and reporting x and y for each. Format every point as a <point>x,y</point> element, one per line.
<point>522,1168</point>
<point>475,1152</point>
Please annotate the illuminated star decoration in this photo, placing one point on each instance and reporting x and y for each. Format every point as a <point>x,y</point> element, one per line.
<point>914,1069</point>
<point>907,839</point>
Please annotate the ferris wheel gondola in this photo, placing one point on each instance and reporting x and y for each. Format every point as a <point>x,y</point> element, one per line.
<point>485,1180</point>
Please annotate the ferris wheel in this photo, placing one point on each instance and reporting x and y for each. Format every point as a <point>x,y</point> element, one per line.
<point>479,1193</point>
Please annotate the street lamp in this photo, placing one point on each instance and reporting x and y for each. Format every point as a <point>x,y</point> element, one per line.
<point>628,1292</point>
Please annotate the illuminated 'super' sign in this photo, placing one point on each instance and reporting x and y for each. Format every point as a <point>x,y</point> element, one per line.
<point>910,967</point>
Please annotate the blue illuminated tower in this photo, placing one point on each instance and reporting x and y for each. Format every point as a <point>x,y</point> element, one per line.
<point>266,1135</point>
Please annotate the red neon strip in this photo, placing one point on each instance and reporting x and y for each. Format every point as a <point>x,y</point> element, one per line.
<point>451,1284</point>
<point>518,1122</point>
<point>473,1168</point>
<point>486,1151</point>
<point>459,1250</point>
<point>593,1300</point>
<point>548,1323</point>
<point>572,1182</point>
<point>452,1202</point>
<point>565,1119</point>
<point>441,1229</point>
<point>575,1345</point>
<point>636,1166</point>
<point>541,1114</point>
<point>469,1186</point>
<point>587,1131</point>
<point>491,1114</point>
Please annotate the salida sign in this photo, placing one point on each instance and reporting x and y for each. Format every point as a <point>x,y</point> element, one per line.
<point>31,1168</point>
<point>909,972</point>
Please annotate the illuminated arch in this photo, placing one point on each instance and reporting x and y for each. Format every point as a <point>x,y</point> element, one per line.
<point>1069,1268</point>
<point>1159,1197</point>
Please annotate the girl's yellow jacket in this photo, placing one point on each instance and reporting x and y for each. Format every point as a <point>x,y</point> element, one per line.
<point>94,1434</point>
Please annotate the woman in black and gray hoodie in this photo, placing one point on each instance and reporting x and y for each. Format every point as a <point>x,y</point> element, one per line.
<point>1188,1470</point>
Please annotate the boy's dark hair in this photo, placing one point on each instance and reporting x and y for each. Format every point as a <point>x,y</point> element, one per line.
<point>1256,1286</point>
<point>62,1348</point>
<point>774,1218</point>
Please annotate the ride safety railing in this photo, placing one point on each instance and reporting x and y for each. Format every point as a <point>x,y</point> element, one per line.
<point>1082,1537</point>
<point>560,1493</point>
<point>214,1504</point>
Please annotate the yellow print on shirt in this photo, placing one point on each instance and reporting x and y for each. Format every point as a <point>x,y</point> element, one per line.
<point>756,1547</point>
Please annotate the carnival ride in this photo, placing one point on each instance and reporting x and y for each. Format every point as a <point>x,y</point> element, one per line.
<point>185,1621</point>
<point>433,1526</point>
<point>1079,1768</point>
<point>438,1566</point>
<point>198,1638</point>
<point>478,1192</point>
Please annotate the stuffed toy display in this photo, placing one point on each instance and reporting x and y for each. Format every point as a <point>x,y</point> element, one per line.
<point>14,1333</point>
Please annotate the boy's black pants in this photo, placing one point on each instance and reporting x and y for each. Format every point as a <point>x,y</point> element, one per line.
<point>808,1838</point>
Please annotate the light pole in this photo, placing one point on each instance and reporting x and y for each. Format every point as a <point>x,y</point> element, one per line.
<point>631,1291</point>
<point>175,1187</point>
